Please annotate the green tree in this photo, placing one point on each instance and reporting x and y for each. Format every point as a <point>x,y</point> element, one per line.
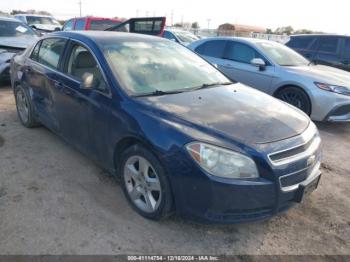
<point>195,25</point>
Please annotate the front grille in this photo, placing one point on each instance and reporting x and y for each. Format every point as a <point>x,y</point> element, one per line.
<point>296,153</point>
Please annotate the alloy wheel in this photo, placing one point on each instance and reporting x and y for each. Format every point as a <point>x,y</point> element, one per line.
<point>142,184</point>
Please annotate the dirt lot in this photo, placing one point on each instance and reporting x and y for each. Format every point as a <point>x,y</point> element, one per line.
<point>54,200</point>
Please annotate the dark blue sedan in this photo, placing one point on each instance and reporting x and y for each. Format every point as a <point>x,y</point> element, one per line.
<point>181,137</point>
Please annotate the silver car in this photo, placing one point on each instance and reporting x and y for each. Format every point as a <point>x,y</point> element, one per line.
<point>322,92</point>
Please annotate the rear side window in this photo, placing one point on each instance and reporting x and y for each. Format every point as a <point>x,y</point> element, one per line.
<point>328,44</point>
<point>80,24</point>
<point>213,48</point>
<point>346,51</point>
<point>102,24</point>
<point>241,53</point>
<point>69,25</point>
<point>300,42</point>
<point>50,51</point>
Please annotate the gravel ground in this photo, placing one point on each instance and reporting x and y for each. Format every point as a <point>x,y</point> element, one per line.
<point>54,200</point>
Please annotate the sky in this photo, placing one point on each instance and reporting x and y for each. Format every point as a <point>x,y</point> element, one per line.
<point>327,16</point>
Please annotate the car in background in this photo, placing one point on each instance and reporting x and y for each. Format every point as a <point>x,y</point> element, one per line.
<point>330,50</point>
<point>41,23</point>
<point>180,36</point>
<point>320,91</point>
<point>141,25</point>
<point>91,23</point>
<point>15,37</point>
<point>178,134</point>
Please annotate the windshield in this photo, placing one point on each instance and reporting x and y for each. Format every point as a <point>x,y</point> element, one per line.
<point>282,55</point>
<point>147,67</point>
<point>32,20</point>
<point>103,24</point>
<point>186,37</point>
<point>14,29</point>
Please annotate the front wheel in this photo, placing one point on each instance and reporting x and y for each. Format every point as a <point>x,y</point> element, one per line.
<point>296,97</point>
<point>145,183</point>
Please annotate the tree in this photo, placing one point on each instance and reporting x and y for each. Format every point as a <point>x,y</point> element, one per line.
<point>195,25</point>
<point>269,31</point>
<point>288,30</point>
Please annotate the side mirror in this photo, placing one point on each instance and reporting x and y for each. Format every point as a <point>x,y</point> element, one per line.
<point>89,81</point>
<point>258,62</point>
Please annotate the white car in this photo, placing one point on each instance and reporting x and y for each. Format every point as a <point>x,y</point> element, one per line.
<point>320,91</point>
<point>41,23</point>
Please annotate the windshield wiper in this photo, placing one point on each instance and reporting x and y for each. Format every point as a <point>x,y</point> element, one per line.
<point>158,93</point>
<point>212,85</point>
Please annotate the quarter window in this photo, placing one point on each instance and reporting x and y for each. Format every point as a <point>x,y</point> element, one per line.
<point>213,48</point>
<point>50,51</point>
<point>69,25</point>
<point>347,48</point>
<point>35,53</point>
<point>241,53</point>
<point>328,44</point>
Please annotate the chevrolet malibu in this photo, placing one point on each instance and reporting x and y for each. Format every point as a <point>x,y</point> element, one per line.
<point>178,133</point>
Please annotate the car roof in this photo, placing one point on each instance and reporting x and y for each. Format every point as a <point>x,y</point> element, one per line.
<point>11,19</point>
<point>37,15</point>
<point>105,36</point>
<point>238,39</point>
<point>317,35</point>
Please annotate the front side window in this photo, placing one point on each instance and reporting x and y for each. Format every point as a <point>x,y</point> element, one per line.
<point>147,67</point>
<point>241,53</point>
<point>213,48</point>
<point>50,51</point>
<point>80,24</point>
<point>281,54</point>
<point>328,44</point>
<point>301,42</point>
<point>80,62</point>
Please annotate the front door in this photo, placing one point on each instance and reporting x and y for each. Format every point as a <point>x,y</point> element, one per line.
<point>237,65</point>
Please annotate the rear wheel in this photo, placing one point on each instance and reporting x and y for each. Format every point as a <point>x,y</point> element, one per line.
<point>25,109</point>
<point>296,97</point>
<point>145,183</point>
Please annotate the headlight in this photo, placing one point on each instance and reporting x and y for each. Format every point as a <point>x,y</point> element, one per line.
<point>222,162</point>
<point>333,88</point>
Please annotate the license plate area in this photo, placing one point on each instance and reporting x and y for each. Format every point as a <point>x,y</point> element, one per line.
<point>304,190</point>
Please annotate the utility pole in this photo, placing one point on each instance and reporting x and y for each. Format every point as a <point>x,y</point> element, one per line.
<point>137,12</point>
<point>208,20</point>
<point>172,17</point>
<point>79,3</point>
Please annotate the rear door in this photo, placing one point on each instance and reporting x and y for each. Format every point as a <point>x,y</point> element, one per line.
<point>41,74</point>
<point>305,45</point>
<point>328,51</point>
<point>147,25</point>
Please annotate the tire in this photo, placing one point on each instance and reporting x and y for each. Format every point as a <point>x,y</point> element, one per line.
<point>145,183</point>
<point>296,97</point>
<point>25,109</point>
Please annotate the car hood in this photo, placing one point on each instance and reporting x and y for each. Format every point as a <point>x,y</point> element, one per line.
<point>17,42</point>
<point>325,74</point>
<point>46,27</point>
<point>236,111</point>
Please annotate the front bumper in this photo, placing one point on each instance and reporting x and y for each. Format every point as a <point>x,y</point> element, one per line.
<point>340,113</point>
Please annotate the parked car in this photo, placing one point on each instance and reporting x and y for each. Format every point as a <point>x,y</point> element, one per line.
<point>180,36</point>
<point>14,37</point>
<point>176,131</point>
<point>322,92</point>
<point>41,23</point>
<point>142,25</point>
<point>331,50</point>
<point>90,23</point>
